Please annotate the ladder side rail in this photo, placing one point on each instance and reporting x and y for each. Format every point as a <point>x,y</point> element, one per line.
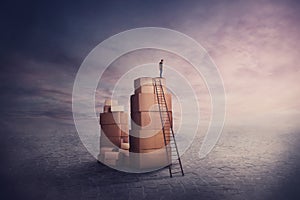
<point>172,129</point>
<point>169,161</point>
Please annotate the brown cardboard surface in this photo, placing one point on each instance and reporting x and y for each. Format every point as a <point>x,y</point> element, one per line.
<point>106,109</point>
<point>125,139</point>
<point>110,155</point>
<point>113,118</point>
<point>112,130</point>
<point>148,102</point>
<point>105,149</point>
<point>147,81</point>
<point>146,150</point>
<point>124,152</point>
<point>146,133</point>
<point>156,127</point>
<point>155,159</point>
<point>110,141</point>
<point>117,108</point>
<point>145,89</point>
<point>124,158</point>
<point>155,142</point>
<point>150,120</point>
<point>125,146</point>
<point>149,89</point>
<point>110,102</point>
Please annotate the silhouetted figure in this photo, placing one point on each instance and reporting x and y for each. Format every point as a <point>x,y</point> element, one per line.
<point>161,68</point>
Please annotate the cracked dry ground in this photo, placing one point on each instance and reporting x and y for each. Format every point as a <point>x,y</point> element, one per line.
<point>50,162</point>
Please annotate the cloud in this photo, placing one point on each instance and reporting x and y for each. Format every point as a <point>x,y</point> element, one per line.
<point>254,44</point>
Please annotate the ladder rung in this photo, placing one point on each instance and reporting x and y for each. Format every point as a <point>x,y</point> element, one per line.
<point>176,166</point>
<point>177,172</point>
<point>166,121</point>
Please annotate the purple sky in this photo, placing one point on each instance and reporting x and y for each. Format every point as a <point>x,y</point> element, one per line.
<point>255,45</point>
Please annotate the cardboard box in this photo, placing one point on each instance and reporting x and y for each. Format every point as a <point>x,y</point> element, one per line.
<point>113,130</point>
<point>110,141</point>
<point>105,149</point>
<point>113,118</point>
<point>143,81</point>
<point>155,142</point>
<point>110,155</point>
<point>106,109</point>
<point>150,150</point>
<point>124,152</point>
<point>124,158</point>
<point>150,120</point>
<point>153,160</point>
<point>149,89</point>
<point>117,108</point>
<point>148,102</point>
<point>110,102</point>
<point>124,146</point>
<point>147,81</point>
<point>145,89</point>
<point>147,133</point>
<point>125,139</point>
<point>156,127</point>
<point>154,150</point>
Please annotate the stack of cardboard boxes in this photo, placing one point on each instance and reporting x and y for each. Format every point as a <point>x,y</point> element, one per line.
<point>146,135</point>
<point>114,132</point>
<point>145,147</point>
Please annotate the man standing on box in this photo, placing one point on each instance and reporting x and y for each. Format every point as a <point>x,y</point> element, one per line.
<point>161,67</point>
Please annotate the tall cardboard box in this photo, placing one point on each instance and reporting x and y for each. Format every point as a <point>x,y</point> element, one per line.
<point>147,138</point>
<point>114,128</point>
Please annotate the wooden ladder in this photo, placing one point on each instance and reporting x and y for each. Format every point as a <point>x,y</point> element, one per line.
<point>175,166</point>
